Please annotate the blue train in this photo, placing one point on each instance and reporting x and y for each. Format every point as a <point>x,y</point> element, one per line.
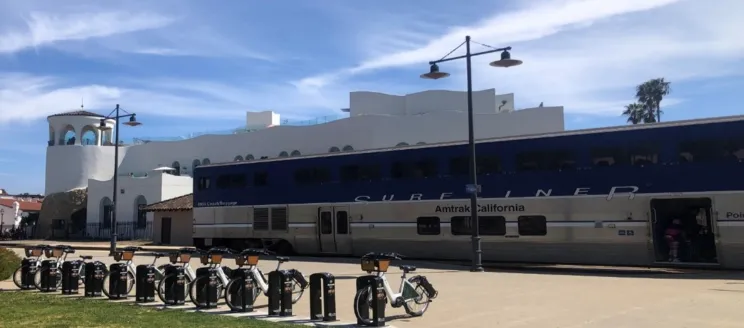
<point>590,195</point>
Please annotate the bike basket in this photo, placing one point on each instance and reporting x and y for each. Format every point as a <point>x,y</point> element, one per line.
<point>184,257</point>
<point>57,252</point>
<point>204,259</point>
<point>173,257</point>
<point>127,255</point>
<point>382,265</point>
<point>117,256</point>
<point>48,252</point>
<point>252,259</point>
<point>216,258</point>
<point>368,265</point>
<point>33,251</point>
<point>240,260</point>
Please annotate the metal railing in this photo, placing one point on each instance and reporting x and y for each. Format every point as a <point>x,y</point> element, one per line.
<point>125,231</point>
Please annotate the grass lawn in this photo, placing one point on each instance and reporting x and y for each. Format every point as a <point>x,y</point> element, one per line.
<point>28,309</point>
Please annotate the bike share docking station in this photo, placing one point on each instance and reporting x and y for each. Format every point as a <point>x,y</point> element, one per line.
<point>174,293</point>
<point>243,295</point>
<point>144,284</point>
<point>207,292</point>
<point>49,274</point>
<point>28,266</point>
<point>70,277</point>
<point>377,301</point>
<point>95,272</point>
<point>280,293</point>
<point>322,304</point>
<point>118,275</point>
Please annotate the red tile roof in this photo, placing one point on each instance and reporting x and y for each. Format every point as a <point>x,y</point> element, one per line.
<point>26,206</point>
<point>77,113</point>
<point>181,203</point>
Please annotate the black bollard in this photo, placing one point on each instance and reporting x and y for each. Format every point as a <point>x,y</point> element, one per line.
<point>28,271</point>
<point>49,276</point>
<point>175,285</point>
<point>242,291</point>
<point>70,277</point>
<point>206,289</point>
<point>322,304</point>
<point>94,274</point>
<point>285,306</point>
<point>274,293</point>
<point>118,281</point>
<point>144,284</point>
<point>374,285</point>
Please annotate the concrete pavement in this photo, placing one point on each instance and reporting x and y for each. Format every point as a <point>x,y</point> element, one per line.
<point>518,299</point>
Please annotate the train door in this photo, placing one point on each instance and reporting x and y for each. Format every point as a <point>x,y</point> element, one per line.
<point>333,229</point>
<point>683,231</point>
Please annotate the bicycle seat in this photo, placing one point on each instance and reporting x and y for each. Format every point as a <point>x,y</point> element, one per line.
<point>282,259</point>
<point>159,254</point>
<point>69,250</point>
<point>86,257</point>
<point>407,268</point>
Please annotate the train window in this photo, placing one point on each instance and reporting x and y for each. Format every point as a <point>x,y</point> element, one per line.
<point>260,219</point>
<point>309,176</point>
<point>326,223</point>
<point>705,150</point>
<point>260,178</point>
<point>428,225</point>
<point>278,218</point>
<point>203,183</point>
<point>643,155</point>
<point>487,164</point>
<point>487,225</point>
<point>342,223</point>
<point>426,168</point>
<point>532,225</point>
<point>530,161</point>
<point>608,156</point>
<point>359,172</point>
<point>231,181</point>
<point>735,148</point>
<point>402,170</point>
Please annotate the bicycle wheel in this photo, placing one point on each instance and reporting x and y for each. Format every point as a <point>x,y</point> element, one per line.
<point>363,298</point>
<point>40,272</point>
<point>106,278</point>
<point>17,275</point>
<point>81,275</point>
<point>235,287</point>
<point>416,306</point>
<point>197,281</point>
<point>297,291</point>
<point>172,277</point>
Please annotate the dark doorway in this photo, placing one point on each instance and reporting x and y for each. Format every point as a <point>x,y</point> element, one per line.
<point>683,230</point>
<point>78,221</point>
<point>165,231</point>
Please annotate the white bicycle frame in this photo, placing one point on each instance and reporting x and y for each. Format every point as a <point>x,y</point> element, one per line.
<point>262,284</point>
<point>392,296</point>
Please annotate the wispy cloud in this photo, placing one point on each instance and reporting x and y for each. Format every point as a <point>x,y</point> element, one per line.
<point>45,29</point>
<point>586,55</point>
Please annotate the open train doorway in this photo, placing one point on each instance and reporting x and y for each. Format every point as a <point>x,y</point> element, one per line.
<point>683,231</point>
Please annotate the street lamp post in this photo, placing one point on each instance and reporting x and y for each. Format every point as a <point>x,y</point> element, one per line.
<point>473,188</point>
<point>2,219</point>
<point>116,115</point>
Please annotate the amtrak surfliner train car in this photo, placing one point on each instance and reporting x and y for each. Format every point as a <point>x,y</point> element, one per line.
<point>599,196</point>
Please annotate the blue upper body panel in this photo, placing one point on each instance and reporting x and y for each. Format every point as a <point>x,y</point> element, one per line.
<point>709,166</point>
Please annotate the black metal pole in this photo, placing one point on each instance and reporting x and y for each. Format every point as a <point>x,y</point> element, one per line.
<point>116,175</point>
<point>474,226</point>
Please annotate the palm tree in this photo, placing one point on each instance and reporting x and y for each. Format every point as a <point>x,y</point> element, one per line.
<point>636,113</point>
<point>651,93</point>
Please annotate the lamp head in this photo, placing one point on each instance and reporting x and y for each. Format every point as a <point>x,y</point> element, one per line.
<point>506,60</point>
<point>132,121</point>
<point>434,73</point>
<point>102,126</point>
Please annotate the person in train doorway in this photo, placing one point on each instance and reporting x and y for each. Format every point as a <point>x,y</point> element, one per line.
<point>674,235</point>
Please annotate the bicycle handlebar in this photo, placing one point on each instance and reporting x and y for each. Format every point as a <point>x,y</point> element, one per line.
<point>383,256</point>
<point>188,250</point>
<point>255,251</point>
<point>132,249</point>
<point>220,250</point>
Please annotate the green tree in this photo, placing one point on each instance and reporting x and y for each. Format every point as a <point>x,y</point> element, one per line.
<point>651,93</point>
<point>636,113</point>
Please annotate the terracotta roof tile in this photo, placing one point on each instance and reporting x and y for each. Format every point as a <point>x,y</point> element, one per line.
<point>77,113</point>
<point>180,203</point>
<point>24,205</point>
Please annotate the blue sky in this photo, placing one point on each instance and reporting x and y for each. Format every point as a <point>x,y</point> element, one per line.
<point>189,66</point>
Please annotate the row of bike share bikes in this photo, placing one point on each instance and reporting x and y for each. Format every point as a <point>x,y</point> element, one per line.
<point>48,269</point>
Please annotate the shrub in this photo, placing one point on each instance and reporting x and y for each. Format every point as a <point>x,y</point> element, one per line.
<point>9,262</point>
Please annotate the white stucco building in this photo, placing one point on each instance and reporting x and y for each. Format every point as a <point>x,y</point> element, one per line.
<point>79,155</point>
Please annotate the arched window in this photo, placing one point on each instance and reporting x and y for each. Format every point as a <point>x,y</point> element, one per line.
<point>348,148</point>
<point>89,136</point>
<point>176,168</point>
<point>249,157</point>
<point>196,163</point>
<point>67,137</point>
<point>206,161</point>
<point>334,149</point>
<point>238,158</point>
<point>295,153</point>
<point>51,136</point>
<point>401,144</point>
<point>140,216</point>
<point>104,213</point>
<point>283,154</point>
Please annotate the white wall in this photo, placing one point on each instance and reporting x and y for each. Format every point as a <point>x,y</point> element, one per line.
<point>155,187</point>
<point>70,167</point>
